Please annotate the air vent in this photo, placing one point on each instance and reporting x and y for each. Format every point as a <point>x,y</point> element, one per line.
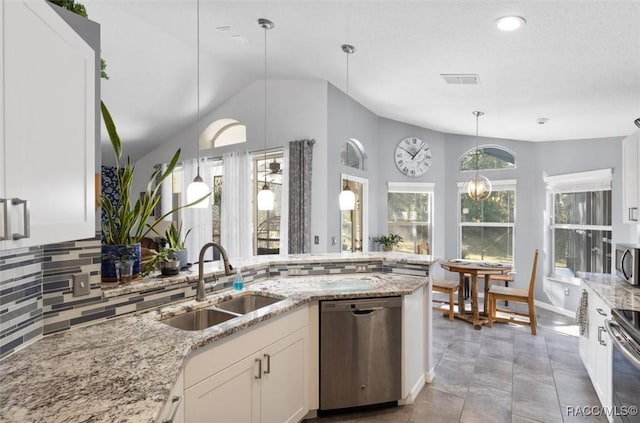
<point>461,78</point>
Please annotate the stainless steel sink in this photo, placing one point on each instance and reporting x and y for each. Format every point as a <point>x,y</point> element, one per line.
<point>199,319</point>
<point>246,303</point>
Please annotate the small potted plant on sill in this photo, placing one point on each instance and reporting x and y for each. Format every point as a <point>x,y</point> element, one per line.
<point>176,242</point>
<point>388,241</point>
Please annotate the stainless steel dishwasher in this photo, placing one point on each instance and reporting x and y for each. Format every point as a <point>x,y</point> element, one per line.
<point>360,352</point>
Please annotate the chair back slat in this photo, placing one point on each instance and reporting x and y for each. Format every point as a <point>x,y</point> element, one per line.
<point>532,281</point>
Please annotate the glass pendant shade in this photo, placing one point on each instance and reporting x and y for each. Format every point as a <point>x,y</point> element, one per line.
<point>265,199</point>
<point>347,199</point>
<point>478,188</point>
<point>196,190</point>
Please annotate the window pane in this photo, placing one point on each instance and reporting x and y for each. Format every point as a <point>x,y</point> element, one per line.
<point>490,244</point>
<point>409,217</point>
<point>581,251</point>
<point>267,229</point>
<point>488,158</point>
<point>498,208</point>
<point>583,208</point>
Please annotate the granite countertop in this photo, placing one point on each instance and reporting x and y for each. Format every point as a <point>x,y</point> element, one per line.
<point>122,370</point>
<point>257,263</point>
<point>613,290</point>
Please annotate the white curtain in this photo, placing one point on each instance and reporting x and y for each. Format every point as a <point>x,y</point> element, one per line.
<point>284,205</point>
<point>196,219</point>
<point>237,208</point>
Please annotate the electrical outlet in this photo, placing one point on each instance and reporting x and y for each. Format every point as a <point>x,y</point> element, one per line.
<point>566,291</point>
<point>81,284</point>
<point>361,268</point>
<point>333,240</point>
<point>294,272</point>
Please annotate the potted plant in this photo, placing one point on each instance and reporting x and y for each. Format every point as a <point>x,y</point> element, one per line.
<point>388,241</point>
<point>127,222</point>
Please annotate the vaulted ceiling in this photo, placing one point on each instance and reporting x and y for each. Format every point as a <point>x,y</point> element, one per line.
<point>576,63</point>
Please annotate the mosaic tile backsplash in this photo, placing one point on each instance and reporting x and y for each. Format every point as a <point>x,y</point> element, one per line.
<point>36,289</point>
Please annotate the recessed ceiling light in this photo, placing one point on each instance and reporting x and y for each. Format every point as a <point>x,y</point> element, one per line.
<point>510,23</point>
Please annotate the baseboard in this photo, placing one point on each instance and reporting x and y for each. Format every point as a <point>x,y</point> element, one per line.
<point>555,309</point>
<point>431,374</point>
<point>413,393</point>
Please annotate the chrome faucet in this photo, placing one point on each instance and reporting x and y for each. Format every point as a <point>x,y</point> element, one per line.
<point>200,295</point>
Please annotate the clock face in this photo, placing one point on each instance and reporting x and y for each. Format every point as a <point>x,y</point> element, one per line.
<point>412,156</point>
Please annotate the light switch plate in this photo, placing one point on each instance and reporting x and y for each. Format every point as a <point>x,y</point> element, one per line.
<point>316,240</point>
<point>81,284</point>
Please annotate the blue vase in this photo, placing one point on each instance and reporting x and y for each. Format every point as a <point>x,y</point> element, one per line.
<point>114,253</point>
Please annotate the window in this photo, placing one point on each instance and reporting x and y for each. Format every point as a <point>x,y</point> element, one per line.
<point>354,150</point>
<point>580,211</point>
<point>222,132</point>
<point>487,227</point>
<point>488,157</point>
<point>409,210</point>
<point>267,222</point>
<point>353,225</point>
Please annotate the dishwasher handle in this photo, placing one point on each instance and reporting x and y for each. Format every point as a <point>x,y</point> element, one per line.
<point>364,311</point>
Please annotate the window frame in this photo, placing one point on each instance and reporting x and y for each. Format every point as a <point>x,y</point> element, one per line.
<point>497,185</point>
<point>415,188</point>
<point>482,148</point>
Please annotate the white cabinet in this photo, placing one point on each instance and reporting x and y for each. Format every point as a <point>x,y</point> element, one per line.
<point>596,348</point>
<point>258,376</point>
<point>49,110</point>
<point>173,410</point>
<point>631,177</point>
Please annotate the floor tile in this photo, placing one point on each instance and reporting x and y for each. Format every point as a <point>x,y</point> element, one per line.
<point>453,377</point>
<point>535,400</point>
<point>434,406</point>
<point>485,404</point>
<point>493,372</point>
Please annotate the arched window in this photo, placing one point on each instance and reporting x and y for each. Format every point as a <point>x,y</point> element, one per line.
<point>223,132</point>
<point>488,157</point>
<point>356,154</point>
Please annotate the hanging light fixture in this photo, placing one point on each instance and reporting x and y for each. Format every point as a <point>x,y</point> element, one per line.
<point>265,196</point>
<point>347,198</point>
<point>478,188</point>
<point>198,188</point>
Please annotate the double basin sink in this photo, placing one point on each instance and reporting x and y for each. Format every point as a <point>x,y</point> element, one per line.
<point>221,312</point>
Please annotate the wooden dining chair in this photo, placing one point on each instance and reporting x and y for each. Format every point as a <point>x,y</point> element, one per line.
<point>447,287</point>
<point>516,295</point>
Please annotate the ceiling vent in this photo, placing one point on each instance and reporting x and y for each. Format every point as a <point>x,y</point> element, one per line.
<point>461,78</point>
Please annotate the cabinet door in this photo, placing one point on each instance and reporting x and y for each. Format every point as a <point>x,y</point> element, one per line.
<point>49,125</point>
<point>603,355</point>
<point>630,177</point>
<point>230,396</point>
<point>285,390</point>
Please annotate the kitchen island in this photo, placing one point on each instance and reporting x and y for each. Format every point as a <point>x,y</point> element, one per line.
<point>125,369</point>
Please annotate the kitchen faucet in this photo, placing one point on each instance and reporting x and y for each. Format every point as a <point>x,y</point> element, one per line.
<point>200,295</point>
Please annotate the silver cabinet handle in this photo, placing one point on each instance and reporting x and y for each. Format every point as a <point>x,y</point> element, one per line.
<point>268,358</point>
<point>601,312</point>
<point>600,340</point>
<point>175,403</point>
<point>5,220</point>
<point>25,218</point>
<point>259,369</point>
<point>632,214</point>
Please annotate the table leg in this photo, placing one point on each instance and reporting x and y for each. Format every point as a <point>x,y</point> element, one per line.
<point>474,300</point>
<point>461,294</point>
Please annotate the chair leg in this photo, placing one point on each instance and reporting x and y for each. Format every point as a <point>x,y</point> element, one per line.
<point>532,317</point>
<point>451,305</point>
<point>506,302</point>
<point>490,309</point>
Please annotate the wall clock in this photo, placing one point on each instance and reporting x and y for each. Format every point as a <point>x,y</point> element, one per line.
<point>412,156</point>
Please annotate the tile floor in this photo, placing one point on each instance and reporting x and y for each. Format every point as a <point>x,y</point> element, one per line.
<point>499,374</point>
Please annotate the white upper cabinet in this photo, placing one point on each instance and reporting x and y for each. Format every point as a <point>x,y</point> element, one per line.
<point>631,177</point>
<point>50,108</point>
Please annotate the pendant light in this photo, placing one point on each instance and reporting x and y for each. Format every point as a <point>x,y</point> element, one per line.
<point>265,196</point>
<point>198,189</point>
<point>347,198</point>
<point>478,188</point>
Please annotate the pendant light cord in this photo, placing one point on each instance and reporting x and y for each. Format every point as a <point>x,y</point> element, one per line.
<point>265,107</point>
<point>198,87</point>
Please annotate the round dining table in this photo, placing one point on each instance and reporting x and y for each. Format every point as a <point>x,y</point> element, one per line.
<point>473,269</point>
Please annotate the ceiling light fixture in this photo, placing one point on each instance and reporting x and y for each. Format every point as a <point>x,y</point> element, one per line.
<point>510,23</point>
<point>198,189</point>
<point>265,196</point>
<point>478,188</point>
<point>347,198</point>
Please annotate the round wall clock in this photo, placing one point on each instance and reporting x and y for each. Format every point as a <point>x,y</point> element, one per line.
<point>412,156</point>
